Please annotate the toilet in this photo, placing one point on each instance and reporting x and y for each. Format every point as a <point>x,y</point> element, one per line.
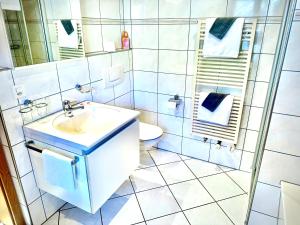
<point>149,135</point>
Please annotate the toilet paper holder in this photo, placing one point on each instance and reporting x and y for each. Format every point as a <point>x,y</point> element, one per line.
<point>176,99</point>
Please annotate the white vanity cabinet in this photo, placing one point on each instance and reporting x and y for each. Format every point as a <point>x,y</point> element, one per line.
<point>99,172</point>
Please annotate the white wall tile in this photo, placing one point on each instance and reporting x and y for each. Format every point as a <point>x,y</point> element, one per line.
<point>191,62</point>
<point>247,8</point>
<point>250,140</point>
<point>264,67</point>
<point>247,161</point>
<point>30,189</point>
<point>171,84</point>
<point>270,38</point>
<point>276,7</point>
<point>174,9</point>
<point>253,67</point>
<point>276,167</point>
<point>145,59</point>
<point>145,81</point>
<point>283,134</point>
<point>37,213</point>
<point>141,9</point>
<point>195,148</point>
<point>266,199</point>
<point>8,97</point>
<point>101,94</point>
<point>288,88</point>
<point>189,87</point>
<point>51,204</point>
<point>225,157</point>
<point>92,38</point>
<point>72,72</point>
<point>255,118</point>
<point>260,94</point>
<point>173,37</point>
<point>170,142</point>
<point>172,61</point>
<point>110,9</point>
<point>149,105</point>
<point>76,95</point>
<point>122,58</point>
<point>298,5</point>
<point>163,106</point>
<point>44,77</point>
<point>259,33</point>
<point>145,36</point>
<point>19,191</point>
<point>112,33</point>
<point>170,124</point>
<point>14,123</point>
<point>98,64</point>
<point>212,8</point>
<point>54,104</point>
<point>245,116</point>
<point>291,61</point>
<point>124,101</point>
<point>90,8</point>
<point>188,107</point>
<point>22,159</point>
<point>258,218</point>
<point>123,87</point>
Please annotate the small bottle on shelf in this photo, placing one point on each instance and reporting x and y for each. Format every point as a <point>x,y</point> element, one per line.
<point>125,40</point>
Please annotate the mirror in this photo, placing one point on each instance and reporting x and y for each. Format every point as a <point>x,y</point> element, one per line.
<point>44,31</point>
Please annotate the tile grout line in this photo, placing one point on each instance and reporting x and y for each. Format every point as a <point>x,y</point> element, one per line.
<point>171,190</point>
<point>210,194</point>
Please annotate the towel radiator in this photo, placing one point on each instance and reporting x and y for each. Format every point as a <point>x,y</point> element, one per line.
<point>228,75</point>
<point>72,53</point>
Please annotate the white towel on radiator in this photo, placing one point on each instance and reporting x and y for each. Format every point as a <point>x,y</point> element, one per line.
<point>58,170</point>
<point>65,40</point>
<point>228,46</point>
<point>220,116</point>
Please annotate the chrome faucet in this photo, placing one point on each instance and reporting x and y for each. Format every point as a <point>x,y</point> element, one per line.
<point>69,107</point>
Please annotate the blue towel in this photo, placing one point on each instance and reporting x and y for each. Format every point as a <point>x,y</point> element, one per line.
<point>221,26</point>
<point>213,100</point>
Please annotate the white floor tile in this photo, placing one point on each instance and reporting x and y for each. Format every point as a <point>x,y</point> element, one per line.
<point>236,208</point>
<point>123,210</point>
<point>220,186</point>
<point>145,179</point>
<point>242,178</point>
<point>175,172</point>
<point>190,194</point>
<point>77,216</point>
<point>174,219</point>
<point>145,159</point>
<point>125,189</point>
<point>162,157</point>
<point>157,202</point>
<point>258,218</point>
<point>53,220</point>
<point>202,168</point>
<point>207,215</point>
<point>67,206</point>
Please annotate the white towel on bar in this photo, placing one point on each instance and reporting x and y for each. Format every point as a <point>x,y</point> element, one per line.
<point>220,116</point>
<point>65,40</point>
<point>229,46</point>
<point>58,170</point>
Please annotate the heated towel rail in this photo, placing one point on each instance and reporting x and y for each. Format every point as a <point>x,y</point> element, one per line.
<point>228,75</point>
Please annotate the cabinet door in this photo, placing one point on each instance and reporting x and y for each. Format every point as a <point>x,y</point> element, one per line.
<point>5,53</point>
<point>111,164</point>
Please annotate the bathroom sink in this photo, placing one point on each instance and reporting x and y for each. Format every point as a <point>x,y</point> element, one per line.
<point>85,121</point>
<point>84,130</point>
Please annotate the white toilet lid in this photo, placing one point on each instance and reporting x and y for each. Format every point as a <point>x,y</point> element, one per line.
<point>149,132</point>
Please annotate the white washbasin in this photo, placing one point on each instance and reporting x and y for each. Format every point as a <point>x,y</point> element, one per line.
<point>87,121</point>
<point>85,129</point>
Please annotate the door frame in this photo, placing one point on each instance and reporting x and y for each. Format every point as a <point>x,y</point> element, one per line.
<point>9,191</point>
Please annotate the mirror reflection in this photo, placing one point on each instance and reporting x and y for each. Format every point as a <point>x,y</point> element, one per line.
<point>44,31</point>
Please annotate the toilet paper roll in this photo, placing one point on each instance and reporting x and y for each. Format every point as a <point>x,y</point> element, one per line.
<point>172,108</point>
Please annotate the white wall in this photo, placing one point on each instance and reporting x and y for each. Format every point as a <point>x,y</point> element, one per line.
<point>52,83</point>
<point>281,159</point>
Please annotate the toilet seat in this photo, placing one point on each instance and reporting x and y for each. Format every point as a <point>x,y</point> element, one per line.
<point>149,132</point>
